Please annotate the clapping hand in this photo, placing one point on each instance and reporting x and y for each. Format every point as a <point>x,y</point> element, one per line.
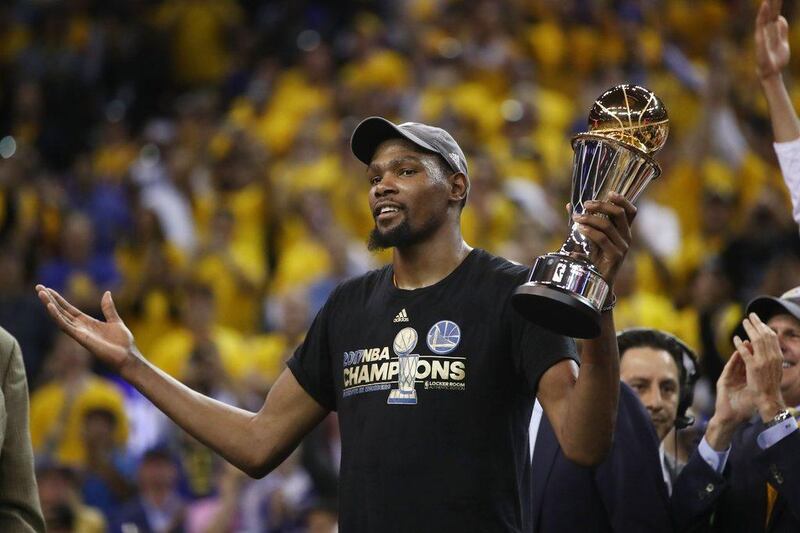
<point>764,366</point>
<point>772,40</point>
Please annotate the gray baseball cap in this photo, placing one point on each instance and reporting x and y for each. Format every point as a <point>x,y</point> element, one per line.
<point>372,131</point>
<point>767,307</point>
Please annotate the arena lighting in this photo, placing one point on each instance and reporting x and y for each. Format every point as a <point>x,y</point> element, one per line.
<point>8,147</point>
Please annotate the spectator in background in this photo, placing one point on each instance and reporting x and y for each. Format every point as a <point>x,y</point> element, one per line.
<point>63,509</point>
<point>199,466</point>
<point>152,270</point>
<point>221,513</point>
<point>201,36</point>
<point>106,478</point>
<point>101,197</point>
<point>158,507</point>
<point>58,408</point>
<point>21,315</point>
<point>767,234</point>
<point>321,455</point>
<point>278,501</point>
<point>235,273</point>
<point>206,374</point>
<point>19,505</point>
<point>172,352</point>
<point>162,176</point>
<point>716,314</point>
<point>79,270</point>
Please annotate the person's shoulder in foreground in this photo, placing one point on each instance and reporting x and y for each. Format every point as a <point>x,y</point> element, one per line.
<point>19,500</point>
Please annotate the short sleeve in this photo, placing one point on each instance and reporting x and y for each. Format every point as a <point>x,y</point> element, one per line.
<point>535,349</point>
<point>311,362</point>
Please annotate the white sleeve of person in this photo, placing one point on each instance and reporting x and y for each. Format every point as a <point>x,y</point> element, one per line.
<point>769,437</point>
<point>716,460</point>
<point>789,159</point>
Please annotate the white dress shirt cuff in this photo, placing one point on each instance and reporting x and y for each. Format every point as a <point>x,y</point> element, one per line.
<point>773,435</point>
<point>716,460</point>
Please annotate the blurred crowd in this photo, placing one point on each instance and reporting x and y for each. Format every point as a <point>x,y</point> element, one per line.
<point>192,157</point>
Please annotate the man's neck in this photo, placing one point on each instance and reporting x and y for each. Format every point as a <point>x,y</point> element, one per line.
<point>429,262</point>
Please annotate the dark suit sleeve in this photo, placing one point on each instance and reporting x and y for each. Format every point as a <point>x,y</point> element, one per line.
<point>780,464</point>
<point>695,494</point>
<point>630,480</point>
<point>19,500</point>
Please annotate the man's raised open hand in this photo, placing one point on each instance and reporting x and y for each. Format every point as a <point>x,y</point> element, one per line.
<point>254,442</point>
<point>110,341</point>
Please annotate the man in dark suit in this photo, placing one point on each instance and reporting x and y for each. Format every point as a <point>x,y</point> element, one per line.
<point>629,491</point>
<point>755,485</point>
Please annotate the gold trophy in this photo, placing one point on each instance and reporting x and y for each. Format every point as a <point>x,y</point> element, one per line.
<point>627,125</point>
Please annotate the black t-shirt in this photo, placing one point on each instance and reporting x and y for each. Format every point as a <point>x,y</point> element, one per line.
<point>452,455</point>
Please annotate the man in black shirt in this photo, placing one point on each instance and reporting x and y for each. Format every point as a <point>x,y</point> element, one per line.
<point>431,371</point>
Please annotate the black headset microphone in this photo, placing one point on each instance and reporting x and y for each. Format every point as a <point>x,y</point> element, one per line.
<point>688,370</point>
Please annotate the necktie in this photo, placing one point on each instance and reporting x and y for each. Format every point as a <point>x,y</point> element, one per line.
<point>772,495</point>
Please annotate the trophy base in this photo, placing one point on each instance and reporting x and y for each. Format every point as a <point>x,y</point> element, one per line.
<point>396,396</point>
<point>563,294</point>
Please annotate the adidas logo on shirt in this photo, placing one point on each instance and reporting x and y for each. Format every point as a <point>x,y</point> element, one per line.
<point>402,316</point>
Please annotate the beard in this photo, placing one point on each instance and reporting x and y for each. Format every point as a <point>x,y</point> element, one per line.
<point>399,236</point>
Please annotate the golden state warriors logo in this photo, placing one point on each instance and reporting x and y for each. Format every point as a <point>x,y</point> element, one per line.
<point>443,337</point>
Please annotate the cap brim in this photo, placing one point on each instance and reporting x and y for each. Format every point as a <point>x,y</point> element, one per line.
<point>767,307</point>
<point>372,131</point>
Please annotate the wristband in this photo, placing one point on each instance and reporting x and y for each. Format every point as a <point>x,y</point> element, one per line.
<point>608,306</point>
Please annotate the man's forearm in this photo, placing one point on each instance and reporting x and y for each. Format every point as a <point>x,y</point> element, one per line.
<point>219,426</point>
<point>785,126</point>
<point>592,408</point>
<point>253,442</point>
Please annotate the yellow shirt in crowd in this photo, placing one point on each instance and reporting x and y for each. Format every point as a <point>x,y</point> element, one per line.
<point>48,403</point>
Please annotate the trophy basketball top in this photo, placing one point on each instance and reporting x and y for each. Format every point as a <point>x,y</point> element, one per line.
<point>632,115</point>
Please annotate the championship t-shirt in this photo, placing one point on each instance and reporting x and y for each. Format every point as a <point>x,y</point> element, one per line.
<point>434,388</point>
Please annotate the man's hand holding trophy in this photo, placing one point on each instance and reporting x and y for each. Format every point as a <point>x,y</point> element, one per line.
<point>613,162</point>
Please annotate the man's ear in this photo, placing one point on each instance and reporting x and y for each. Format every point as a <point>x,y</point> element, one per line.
<point>459,187</point>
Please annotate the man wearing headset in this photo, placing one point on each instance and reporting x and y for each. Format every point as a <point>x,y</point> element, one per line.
<point>661,370</point>
<point>630,490</point>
